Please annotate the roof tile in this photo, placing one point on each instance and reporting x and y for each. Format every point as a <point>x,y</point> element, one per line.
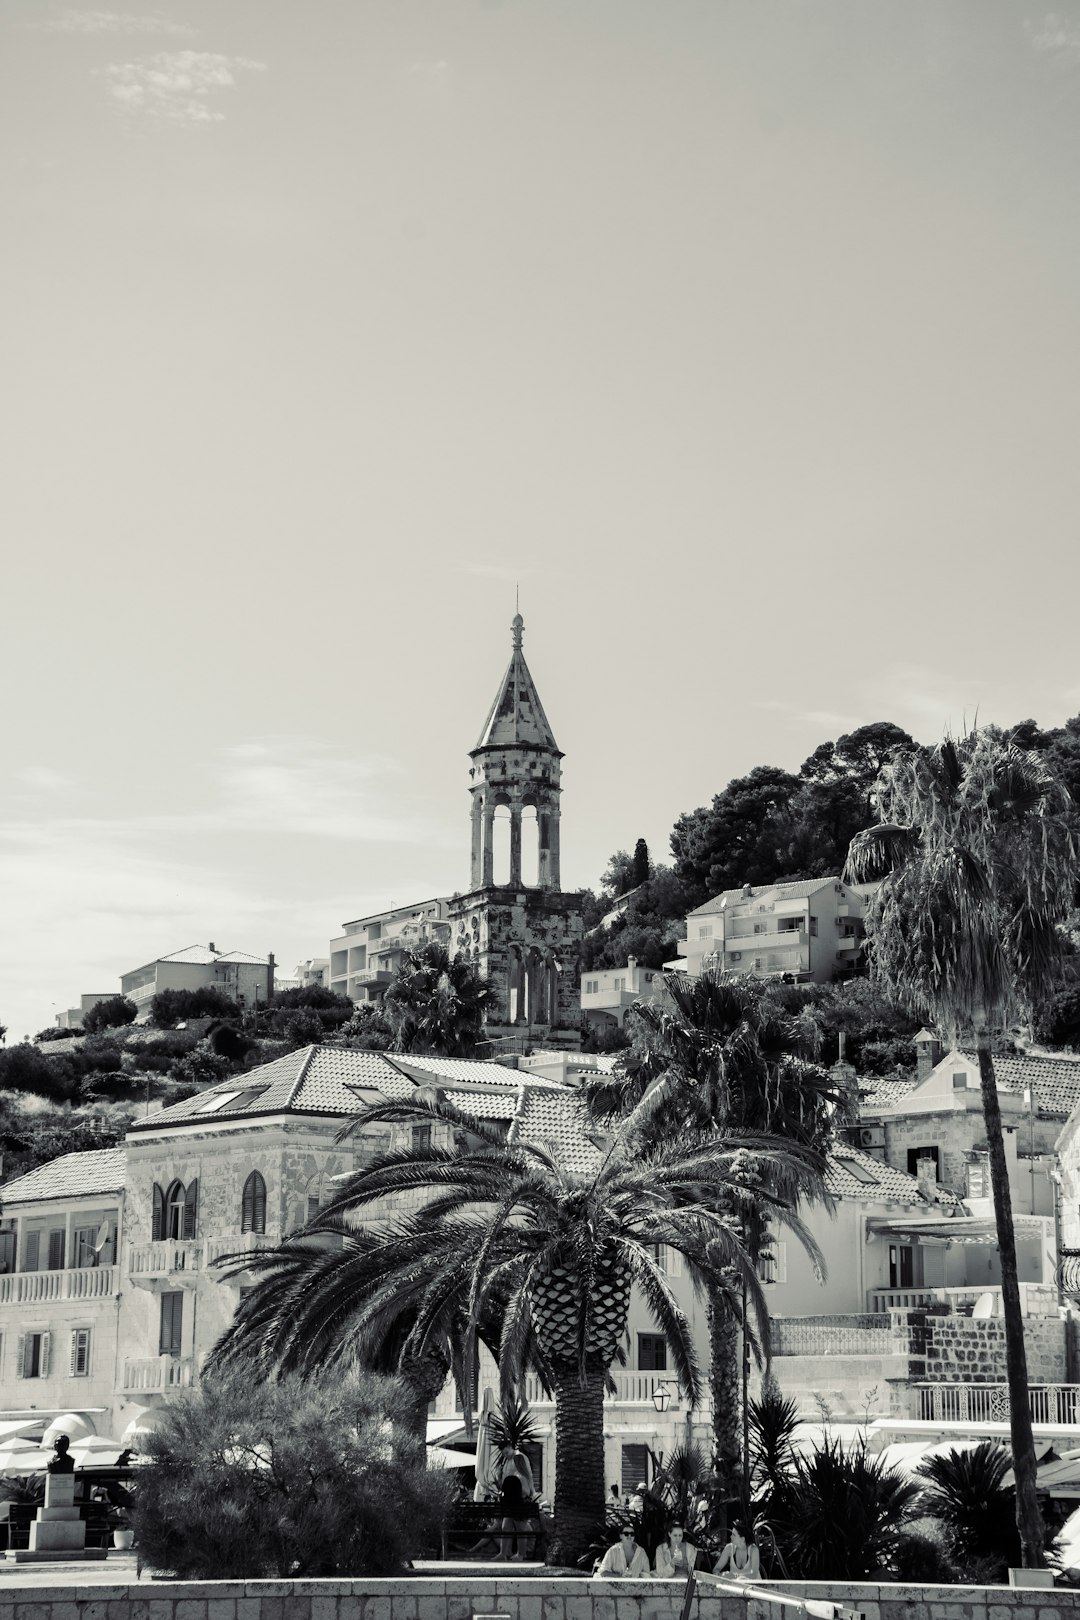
<point>74,1175</point>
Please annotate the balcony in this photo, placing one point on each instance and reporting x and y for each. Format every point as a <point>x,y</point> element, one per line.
<point>158,1375</point>
<point>369,976</point>
<point>1036,1299</point>
<point>1055,1405</point>
<point>42,1287</point>
<point>631,1389</point>
<point>217,1248</point>
<point>166,1262</point>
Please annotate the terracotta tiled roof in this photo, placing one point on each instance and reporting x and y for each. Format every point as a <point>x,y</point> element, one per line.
<point>75,1175</point>
<point>557,1121</point>
<point>854,1174</point>
<point>1054,1080</point>
<point>884,1091</point>
<point>471,1070</point>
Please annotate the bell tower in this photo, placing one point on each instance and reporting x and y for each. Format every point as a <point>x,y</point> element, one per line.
<point>515,923</point>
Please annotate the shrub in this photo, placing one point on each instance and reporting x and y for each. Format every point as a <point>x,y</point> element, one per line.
<point>24,1068</point>
<point>315,996</point>
<point>303,1028</point>
<point>169,1006</point>
<point>246,1480</point>
<point>111,1013</point>
<point>966,1492</point>
<point>200,1067</point>
<point>44,1036</point>
<point>839,1514</point>
<point>367,1030</point>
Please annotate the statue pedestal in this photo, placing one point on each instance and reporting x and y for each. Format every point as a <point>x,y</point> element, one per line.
<point>58,1532</point>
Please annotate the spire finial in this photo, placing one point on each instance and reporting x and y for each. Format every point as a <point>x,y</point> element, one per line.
<point>516,628</point>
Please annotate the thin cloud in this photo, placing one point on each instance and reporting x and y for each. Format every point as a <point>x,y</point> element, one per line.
<point>114,22</point>
<point>42,779</point>
<point>1055,37</point>
<point>177,86</point>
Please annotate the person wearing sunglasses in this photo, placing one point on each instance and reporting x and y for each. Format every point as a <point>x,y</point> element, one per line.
<point>625,1561</point>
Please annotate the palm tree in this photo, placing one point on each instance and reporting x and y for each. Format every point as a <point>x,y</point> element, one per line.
<point>977,864</point>
<point>557,1251</point>
<point>436,1002</point>
<point>714,1055</point>
<point>336,1295</point>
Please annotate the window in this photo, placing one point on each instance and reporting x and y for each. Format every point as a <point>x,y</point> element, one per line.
<point>421,1138</point>
<point>859,1171</point>
<point>80,1353</point>
<point>7,1251</point>
<point>813,926</point>
<point>978,1177</point>
<point>901,1265</point>
<point>84,1244</point>
<point>651,1352</point>
<point>960,1080</point>
<point>33,1358</point>
<point>31,1259</point>
<point>56,1250</point>
<point>172,1324</point>
<point>178,1211</point>
<point>917,1153</point>
<point>635,1468</point>
<point>704,931</point>
<point>313,1207</point>
<point>253,1204</point>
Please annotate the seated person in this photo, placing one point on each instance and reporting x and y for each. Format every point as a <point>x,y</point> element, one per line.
<point>625,1561</point>
<point>675,1556</point>
<point>740,1555</point>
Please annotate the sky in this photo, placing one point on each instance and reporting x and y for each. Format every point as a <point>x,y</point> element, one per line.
<point>741,336</point>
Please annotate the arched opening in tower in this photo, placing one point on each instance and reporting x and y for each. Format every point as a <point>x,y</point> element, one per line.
<point>500,843</point>
<point>530,845</point>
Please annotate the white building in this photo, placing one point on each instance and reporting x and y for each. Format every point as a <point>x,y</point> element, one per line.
<point>809,930</point>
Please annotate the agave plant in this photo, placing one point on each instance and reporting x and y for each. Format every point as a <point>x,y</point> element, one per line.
<point>841,1512</point>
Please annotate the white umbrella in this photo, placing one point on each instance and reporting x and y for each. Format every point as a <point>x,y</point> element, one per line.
<point>15,1455</point>
<point>487,1459</point>
<point>449,1457</point>
<point>96,1451</point>
<point>73,1424</point>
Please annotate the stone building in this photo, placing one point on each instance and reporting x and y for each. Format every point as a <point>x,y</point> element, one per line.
<point>515,923</point>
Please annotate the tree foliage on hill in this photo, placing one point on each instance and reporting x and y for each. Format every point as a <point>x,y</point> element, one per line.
<point>771,826</point>
<point>112,1013</point>
<point>435,1003</point>
<point>170,1006</point>
<point>646,930</point>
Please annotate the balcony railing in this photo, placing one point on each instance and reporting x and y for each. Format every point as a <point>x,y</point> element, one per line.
<point>836,1336</point>
<point>246,1243</point>
<point>1036,1299</point>
<point>989,1403</point>
<point>631,1389</point>
<point>159,1373</point>
<point>39,1287</point>
<point>166,1257</point>
<point>371,976</point>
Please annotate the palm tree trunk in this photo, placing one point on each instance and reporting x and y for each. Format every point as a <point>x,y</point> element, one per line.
<point>422,1378</point>
<point>580,1491</point>
<point>1028,1518</point>
<point>724,1389</point>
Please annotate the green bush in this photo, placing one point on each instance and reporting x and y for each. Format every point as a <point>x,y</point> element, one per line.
<point>966,1492</point>
<point>44,1036</point>
<point>111,1013</point>
<point>24,1068</point>
<point>170,1006</point>
<point>838,1515</point>
<point>245,1480</point>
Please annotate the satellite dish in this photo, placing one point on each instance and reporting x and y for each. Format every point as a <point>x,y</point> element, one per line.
<point>104,1232</point>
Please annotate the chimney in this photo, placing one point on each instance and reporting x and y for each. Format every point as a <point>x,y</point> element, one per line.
<point>928,1054</point>
<point>270,964</point>
<point>212,947</point>
<point>926,1174</point>
<point>631,962</point>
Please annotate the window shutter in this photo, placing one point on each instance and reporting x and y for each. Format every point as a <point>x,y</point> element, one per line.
<point>56,1250</point>
<point>191,1208</point>
<point>33,1251</point>
<point>74,1354</point>
<point>158,1229</point>
<point>780,1250</point>
<point>46,1348</point>
<point>674,1263</point>
<point>260,1204</point>
<point>20,1357</point>
<point>247,1204</point>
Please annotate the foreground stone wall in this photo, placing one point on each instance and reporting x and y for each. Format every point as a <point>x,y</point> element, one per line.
<point>523,1598</point>
<point>961,1349</point>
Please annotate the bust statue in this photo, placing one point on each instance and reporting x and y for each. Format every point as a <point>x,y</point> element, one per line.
<point>62,1463</point>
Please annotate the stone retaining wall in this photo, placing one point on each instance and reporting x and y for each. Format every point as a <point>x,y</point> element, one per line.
<point>523,1598</point>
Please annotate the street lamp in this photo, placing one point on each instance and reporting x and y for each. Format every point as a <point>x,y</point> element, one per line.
<point>661,1396</point>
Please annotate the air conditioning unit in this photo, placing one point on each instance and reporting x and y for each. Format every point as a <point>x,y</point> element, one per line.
<point>736,956</point>
<point>868,1136</point>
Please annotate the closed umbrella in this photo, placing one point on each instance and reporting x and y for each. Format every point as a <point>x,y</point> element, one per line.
<point>487,1457</point>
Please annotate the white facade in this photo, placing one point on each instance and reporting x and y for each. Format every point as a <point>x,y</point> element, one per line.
<point>369,951</point>
<point>812,930</point>
<point>608,993</point>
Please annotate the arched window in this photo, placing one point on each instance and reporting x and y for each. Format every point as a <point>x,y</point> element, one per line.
<point>530,845</point>
<point>157,1228</point>
<point>174,1211</point>
<point>500,843</point>
<point>253,1204</point>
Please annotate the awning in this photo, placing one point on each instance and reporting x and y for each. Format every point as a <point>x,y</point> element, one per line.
<point>449,1457</point>
<point>10,1427</point>
<point>960,1229</point>
<point>450,1432</point>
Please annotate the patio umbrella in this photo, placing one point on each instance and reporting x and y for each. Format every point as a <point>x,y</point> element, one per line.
<point>448,1457</point>
<point>96,1451</point>
<point>16,1455</point>
<point>487,1457</point>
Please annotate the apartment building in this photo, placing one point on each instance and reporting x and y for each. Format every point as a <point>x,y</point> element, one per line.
<point>369,951</point>
<point>60,1282</point>
<point>245,979</point>
<point>812,930</point>
<point>608,993</point>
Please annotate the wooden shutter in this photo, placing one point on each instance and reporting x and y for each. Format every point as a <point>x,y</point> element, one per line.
<point>33,1251</point>
<point>191,1208</point>
<point>20,1357</point>
<point>46,1349</point>
<point>158,1227</point>
<point>253,1204</point>
<point>80,1353</point>
<point>56,1250</point>
<point>674,1263</point>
